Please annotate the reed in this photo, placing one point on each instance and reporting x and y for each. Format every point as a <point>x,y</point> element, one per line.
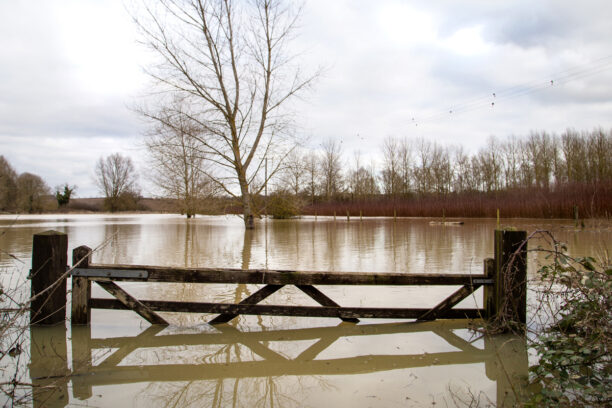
<point>593,200</point>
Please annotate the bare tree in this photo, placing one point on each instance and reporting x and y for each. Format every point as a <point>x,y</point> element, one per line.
<point>361,180</point>
<point>294,175</point>
<point>311,168</point>
<point>229,62</point>
<point>490,165</point>
<point>511,156</point>
<point>598,146</point>
<point>390,175</point>
<point>405,156</point>
<point>115,177</point>
<point>441,171</point>
<point>422,167</point>
<point>178,168</point>
<point>31,190</point>
<point>331,168</point>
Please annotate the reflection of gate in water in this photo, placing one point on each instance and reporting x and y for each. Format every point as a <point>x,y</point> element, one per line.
<point>505,358</point>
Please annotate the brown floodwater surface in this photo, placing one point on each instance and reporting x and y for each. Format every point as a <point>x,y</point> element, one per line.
<point>261,361</point>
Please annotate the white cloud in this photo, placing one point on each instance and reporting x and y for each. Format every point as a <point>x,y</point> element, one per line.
<point>467,41</point>
<point>406,25</point>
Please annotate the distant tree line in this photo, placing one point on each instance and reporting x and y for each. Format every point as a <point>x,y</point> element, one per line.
<point>423,169</point>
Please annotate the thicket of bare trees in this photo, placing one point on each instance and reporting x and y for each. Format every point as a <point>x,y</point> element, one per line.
<point>25,192</point>
<point>422,168</point>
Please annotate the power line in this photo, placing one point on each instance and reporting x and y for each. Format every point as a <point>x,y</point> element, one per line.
<point>489,101</point>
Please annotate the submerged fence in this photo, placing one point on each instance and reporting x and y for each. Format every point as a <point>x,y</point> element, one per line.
<point>503,279</point>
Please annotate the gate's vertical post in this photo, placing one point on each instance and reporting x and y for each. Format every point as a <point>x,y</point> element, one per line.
<point>507,364</point>
<point>48,366</point>
<point>81,362</point>
<point>511,276</point>
<point>48,275</point>
<point>81,288</point>
<point>489,289</point>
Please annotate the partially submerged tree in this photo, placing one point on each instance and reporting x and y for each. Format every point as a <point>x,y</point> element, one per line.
<point>229,63</point>
<point>179,169</point>
<point>115,177</point>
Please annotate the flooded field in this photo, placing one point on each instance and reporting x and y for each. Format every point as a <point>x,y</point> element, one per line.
<point>275,361</point>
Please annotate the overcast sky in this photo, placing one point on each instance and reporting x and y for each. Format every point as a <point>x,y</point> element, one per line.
<point>70,70</point>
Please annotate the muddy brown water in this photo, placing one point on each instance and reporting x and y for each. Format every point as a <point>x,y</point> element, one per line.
<point>261,361</point>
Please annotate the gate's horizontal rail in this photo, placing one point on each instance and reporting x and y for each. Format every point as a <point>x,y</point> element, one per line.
<point>274,277</point>
<point>277,310</point>
<point>350,365</point>
<point>206,338</point>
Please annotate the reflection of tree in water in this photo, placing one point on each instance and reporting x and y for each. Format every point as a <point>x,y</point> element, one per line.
<point>244,392</point>
<point>117,248</point>
<point>223,392</point>
<point>255,391</point>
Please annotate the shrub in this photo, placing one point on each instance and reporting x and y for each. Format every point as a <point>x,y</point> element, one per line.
<point>283,205</point>
<point>575,364</point>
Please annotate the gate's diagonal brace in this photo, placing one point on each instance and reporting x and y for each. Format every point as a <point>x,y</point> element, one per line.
<point>323,300</point>
<point>255,346</point>
<point>131,302</point>
<point>126,349</point>
<point>456,341</point>
<point>449,302</point>
<point>255,298</point>
<point>314,350</point>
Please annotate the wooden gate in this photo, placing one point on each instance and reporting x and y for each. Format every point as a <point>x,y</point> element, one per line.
<point>503,278</point>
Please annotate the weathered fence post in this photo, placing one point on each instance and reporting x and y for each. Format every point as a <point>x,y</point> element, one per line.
<point>510,303</point>
<point>81,288</point>
<point>48,275</point>
<point>489,290</point>
<point>576,216</point>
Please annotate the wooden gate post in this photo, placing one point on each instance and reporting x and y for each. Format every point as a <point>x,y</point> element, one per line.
<point>81,288</point>
<point>510,305</point>
<point>489,289</point>
<point>48,275</point>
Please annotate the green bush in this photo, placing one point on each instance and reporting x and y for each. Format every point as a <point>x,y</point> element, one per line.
<point>283,205</point>
<point>575,364</point>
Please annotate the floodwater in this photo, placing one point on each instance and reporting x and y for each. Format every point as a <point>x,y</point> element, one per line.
<point>264,361</point>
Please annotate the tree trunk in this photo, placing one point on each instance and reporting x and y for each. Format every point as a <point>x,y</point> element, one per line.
<point>249,223</point>
<point>247,207</point>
